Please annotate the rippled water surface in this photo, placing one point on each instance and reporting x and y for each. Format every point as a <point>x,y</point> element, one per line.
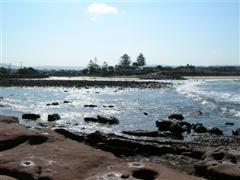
<point>219,100</point>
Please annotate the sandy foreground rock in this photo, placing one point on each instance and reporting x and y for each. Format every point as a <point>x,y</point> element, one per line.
<point>44,155</point>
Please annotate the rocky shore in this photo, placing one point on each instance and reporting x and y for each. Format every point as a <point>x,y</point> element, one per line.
<point>27,154</point>
<point>81,83</point>
<point>62,154</point>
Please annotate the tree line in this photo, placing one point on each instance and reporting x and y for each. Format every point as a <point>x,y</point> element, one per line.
<point>125,63</point>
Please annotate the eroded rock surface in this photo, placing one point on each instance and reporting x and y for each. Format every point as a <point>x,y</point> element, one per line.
<point>27,154</point>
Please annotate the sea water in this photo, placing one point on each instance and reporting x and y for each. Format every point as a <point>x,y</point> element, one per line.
<point>218,100</point>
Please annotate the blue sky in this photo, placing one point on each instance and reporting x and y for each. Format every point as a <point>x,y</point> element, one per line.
<point>72,33</point>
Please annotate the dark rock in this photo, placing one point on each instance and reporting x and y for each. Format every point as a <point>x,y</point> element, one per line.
<point>31,116</point>
<point>90,105</point>
<point>176,116</point>
<point>163,125</point>
<point>200,128</point>
<point>65,102</point>
<point>90,119</point>
<point>145,113</point>
<point>142,133</point>
<point>111,106</point>
<point>48,104</point>
<point>53,117</point>
<point>215,130</point>
<point>102,119</point>
<point>236,132</point>
<point>229,123</point>
<point>110,120</point>
<point>176,129</point>
<point>55,103</point>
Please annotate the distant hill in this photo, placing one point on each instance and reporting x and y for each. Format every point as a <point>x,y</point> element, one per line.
<point>45,67</point>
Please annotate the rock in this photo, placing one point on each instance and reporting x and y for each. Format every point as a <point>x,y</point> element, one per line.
<point>111,106</point>
<point>229,123</point>
<point>31,116</point>
<point>110,120</point>
<point>145,113</point>
<point>176,129</point>
<point>219,163</point>
<point>163,125</point>
<point>141,132</point>
<point>8,119</point>
<point>90,105</point>
<point>176,116</point>
<point>90,119</point>
<point>48,104</point>
<point>197,113</point>
<point>236,132</point>
<point>55,103</point>
<point>102,119</point>
<point>65,102</point>
<point>199,128</point>
<point>53,117</point>
<point>215,130</point>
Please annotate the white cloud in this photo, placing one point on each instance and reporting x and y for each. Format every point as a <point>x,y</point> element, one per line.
<point>102,8</point>
<point>93,18</point>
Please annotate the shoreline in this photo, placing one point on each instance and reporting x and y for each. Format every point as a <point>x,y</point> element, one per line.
<point>82,83</point>
<point>212,77</point>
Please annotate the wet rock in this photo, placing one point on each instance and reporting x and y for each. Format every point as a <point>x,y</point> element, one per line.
<point>199,128</point>
<point>176,116</point>
<point>55,103</point>
<point>141,132</point>
<point>229,123</point>
<point>236,132</point>
<point>163,125</point>
<point>215,130</point>
<point>31,116</point>
<point>65,102</point>
<point>53,117</point>
<point>8,119</point>
<point>110,120</point>
<point>90,105</point>
<point>102,119</point>
<point>90,119</point>
<point>197,113</point>
<point>176,129</point>
<point>219,163</point>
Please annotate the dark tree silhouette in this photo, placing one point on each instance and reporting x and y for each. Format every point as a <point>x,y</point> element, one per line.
<point>125,60</point>
<point>141,60</point>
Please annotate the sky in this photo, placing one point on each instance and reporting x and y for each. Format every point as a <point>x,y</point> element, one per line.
<point>71,33</point>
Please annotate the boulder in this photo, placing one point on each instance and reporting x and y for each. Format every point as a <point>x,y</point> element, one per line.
<point>65,102</point>
<point>229,123</point>
<point>53,117</point>
<point>163,125</point>
<point>31,116</point>
<point>215,130</point>
<point>176,116</point>
<point>110,120</point>
<point>102,119</point>
<point>90,105</point>
<point>199,128</point>
<point>55,103</point>
<point>236,132</point>
<point>90,119</point>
